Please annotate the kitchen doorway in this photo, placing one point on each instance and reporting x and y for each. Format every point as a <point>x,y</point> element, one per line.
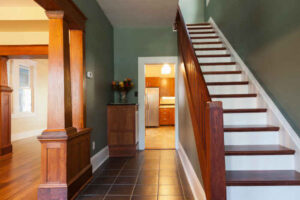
<point>158,106</point>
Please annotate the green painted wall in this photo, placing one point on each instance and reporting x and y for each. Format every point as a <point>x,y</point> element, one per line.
<point>99,60</point>
<point>266,34</point>
<point>192,10</point>
<point>131,43</point>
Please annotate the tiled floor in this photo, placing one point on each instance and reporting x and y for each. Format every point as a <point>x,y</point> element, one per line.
<point>151,175</point>
<point>162,137</point>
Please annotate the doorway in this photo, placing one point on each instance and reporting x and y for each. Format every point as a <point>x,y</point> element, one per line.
<point>157,103</point>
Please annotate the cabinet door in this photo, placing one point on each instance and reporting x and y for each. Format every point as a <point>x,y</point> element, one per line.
<point>167,87</point>
<point>172,116</point>
<point>164,116</point>
<point>152,82</point>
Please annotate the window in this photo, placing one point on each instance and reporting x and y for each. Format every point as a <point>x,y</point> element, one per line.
<point>21,79</point>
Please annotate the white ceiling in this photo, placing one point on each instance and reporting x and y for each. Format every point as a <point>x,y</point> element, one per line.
<point>18,3</point>
<point>140,13</point>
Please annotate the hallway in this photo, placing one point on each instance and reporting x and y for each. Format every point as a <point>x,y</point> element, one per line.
<point>151,175</point>
<point>20,172</point>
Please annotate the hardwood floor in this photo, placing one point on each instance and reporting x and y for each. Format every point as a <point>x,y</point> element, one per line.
<point>20,172</point>
<point>160,138</point>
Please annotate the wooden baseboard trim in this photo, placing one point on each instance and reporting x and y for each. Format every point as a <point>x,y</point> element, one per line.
<point>5,150</point>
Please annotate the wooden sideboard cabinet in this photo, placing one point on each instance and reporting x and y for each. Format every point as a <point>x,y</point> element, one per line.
<point>122,120</point>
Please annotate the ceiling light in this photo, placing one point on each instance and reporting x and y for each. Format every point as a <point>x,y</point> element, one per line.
<point>166,69</point>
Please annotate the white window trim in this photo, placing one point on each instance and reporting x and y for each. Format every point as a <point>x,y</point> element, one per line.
<point>14,68</point>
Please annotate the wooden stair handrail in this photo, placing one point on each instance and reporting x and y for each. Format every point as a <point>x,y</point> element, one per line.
<point>206,116</point>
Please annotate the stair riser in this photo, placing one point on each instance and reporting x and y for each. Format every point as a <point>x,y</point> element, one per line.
<point>229,89</point>
<point>206,40</point>
<point>234,103</point>
<point>263,192</point>
<point>218,68</point>
<point>214,52</point>
<point>245,118</point>
<point>208,45</point>
<point>251,138</point>
<point>215,59</point>
<point>260,162</point>
<point>203,35</point>
<point>223,78</point>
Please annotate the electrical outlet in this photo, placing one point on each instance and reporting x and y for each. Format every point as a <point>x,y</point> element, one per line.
<point>94,144</point>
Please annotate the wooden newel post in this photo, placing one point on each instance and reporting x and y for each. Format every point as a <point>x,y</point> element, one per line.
<point>5,109</point>
<point>65,162</point>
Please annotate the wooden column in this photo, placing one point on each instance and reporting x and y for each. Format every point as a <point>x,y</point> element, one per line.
<point>5,109</point>
<point>77,59</point>
<point>65,162</point>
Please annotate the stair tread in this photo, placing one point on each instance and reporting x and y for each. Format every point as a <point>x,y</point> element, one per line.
<point>250,128</point>
<point>257,150</point>
<point>218,63</point>
<point>199,24</point>
<point>228,83</point>
<point>233,95</point>
<point>210,49</point>
<point>218,42</point>
<point>214,56</point>
<point>221,72</point>
<point>200,28</point>
<point>245,110</point>
<point>205,37</point>
<point>262,178</point>
<point>203,32</point>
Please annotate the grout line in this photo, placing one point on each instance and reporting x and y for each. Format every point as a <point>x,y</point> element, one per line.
<point>136,180</point>
<point>115,180</point>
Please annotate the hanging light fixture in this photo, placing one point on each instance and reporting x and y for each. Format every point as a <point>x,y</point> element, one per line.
<point>166,69</point>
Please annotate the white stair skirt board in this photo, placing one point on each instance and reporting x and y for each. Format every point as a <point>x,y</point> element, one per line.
<point>235,103</point>
<point>196,187</point>
<point>99,158</point>
<point>263,192</point>
<point>203,35</point>
<point>206,40</point>
<point>208,45</point>
<point>260,162</point>
<point>228,89</point>
<point>209,52</point>
<point>223,77</point>
<point>251,138</point>
<point>206,68</point>
<point>245,118</point>
<point>289,137</point>
<point>215,59</point>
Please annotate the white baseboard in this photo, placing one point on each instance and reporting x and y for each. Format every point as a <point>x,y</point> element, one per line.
<point>99,158</point>
<point>288,133</point>
<point>27,134</point>
<point>197,189</point>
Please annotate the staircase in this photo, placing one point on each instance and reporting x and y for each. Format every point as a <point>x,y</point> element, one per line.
<point>257,166</point>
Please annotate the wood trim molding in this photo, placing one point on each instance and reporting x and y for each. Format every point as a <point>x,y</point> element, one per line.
<point>24,50</point>
<point>72,14</point>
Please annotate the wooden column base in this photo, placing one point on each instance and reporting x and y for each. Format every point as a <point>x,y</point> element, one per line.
<point>66,166</point>
<point>5,120</point>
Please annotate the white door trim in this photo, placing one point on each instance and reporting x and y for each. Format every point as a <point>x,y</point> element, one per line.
<point>142,61</point>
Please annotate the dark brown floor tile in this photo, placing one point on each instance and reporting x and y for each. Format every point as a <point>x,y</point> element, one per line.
<point>122,190</point>
<point>169,180</point>
<point>168,166</point>
<point>96,190</point>
<point>150,166</point>
<point>90,197</point>
<point>145,190</point>
<point>109,173</point>
<point>125,180</point>
<point>129,172</point>
<point>149,172</point>
<point>170,198</point>
<point>147,180</point>
<point>103,180</point>
<point>170,190</point>
<point>117,198</point>
<point>144,198</point>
